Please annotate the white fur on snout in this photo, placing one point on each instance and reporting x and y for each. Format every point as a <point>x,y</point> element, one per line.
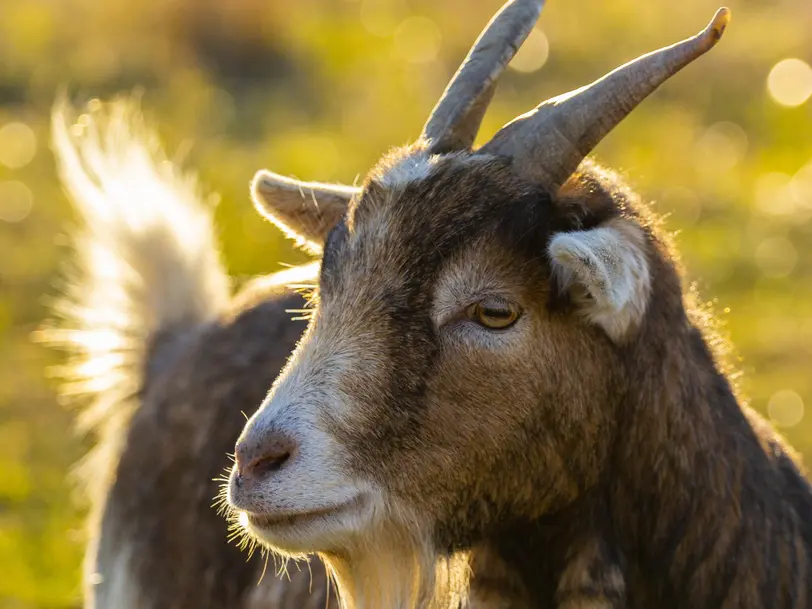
<point>311,480</point>
<point>296,485</point>
<point>314,478</point>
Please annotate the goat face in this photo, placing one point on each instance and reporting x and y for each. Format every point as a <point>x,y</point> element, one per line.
<point>445,379</point>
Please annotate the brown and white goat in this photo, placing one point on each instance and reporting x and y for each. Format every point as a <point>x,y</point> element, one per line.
<point>166,362</point>
<point>502,354</point>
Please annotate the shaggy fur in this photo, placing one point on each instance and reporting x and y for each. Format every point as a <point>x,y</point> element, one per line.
<point>606,462</point>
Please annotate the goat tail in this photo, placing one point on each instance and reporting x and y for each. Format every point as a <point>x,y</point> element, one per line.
<point>145,268</point>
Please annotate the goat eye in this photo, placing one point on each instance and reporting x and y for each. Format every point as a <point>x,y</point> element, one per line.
<point>493,315</point>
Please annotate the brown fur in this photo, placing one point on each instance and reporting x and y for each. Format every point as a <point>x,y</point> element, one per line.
<point>604,471</point>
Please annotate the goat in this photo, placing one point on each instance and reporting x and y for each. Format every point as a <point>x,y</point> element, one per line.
<point>166,362</point>
<point>502,353</point>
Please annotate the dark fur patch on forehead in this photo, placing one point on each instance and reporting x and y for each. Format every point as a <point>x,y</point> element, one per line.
<point>460,198</point>
<point>463,197</point>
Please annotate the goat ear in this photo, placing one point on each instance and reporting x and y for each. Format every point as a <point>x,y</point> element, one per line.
<point>607,272</point>
<point>304,211</point>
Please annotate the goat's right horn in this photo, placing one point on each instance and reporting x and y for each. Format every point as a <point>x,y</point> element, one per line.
<point>455,120</point>
<point>547,144</point>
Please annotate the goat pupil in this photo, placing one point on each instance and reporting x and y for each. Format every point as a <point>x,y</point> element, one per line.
<point>499,314</point>
<point>495,318</point>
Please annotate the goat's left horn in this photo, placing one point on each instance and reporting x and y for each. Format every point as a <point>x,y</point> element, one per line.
<point>548,143</point>
<point>455,120</point>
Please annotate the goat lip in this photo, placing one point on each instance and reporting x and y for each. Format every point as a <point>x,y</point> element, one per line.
<point>271,520</point>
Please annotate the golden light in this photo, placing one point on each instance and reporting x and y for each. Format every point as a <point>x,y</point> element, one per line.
<point>790,82</point>
<point>786,408</point>
<point>801,187</point>
<point>381,17</point>
<point>417,39</point>
<point>16,201</point>
<point>682,204</point>
<point>721,146</point>
<point>95,579</point>
<point>533,53</point>
<point>776,257</point>
<point>18,145</point>
<point>773,196</point>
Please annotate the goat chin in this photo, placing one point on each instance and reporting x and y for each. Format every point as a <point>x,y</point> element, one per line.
<point>393,565</point>
<point>402,572</point>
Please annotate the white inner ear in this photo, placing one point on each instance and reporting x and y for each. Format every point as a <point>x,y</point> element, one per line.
<point>610,263</point>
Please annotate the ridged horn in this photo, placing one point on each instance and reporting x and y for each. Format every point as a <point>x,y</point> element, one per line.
<point>456,118</point>
<point>548,143</point>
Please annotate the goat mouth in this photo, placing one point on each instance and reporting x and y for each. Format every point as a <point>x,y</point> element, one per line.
<point>270,521</point>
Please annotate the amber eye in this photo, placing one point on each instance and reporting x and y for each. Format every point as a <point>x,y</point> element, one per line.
<point>493,314</point>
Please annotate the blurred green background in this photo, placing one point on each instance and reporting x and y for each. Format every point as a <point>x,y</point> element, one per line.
<point>319,89</point>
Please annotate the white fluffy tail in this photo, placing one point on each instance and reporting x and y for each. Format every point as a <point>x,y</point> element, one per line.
<point>146,264</point>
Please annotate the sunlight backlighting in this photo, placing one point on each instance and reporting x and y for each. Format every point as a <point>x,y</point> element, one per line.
<point>417,39</point>
<point>772,194</point>
<point>18,145</point>
<point>722,146</point>
<point>381,17</point>
<point>533,53</point>
<point>801,187</point>
<point>786,408</point>
<point>790,82</point>
<point>16,201</point>
<point>776,257</point>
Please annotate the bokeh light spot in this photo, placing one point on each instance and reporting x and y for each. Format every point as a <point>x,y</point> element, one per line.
<point>381,17</point>
<point>721,146</point>
<point>786,408</point>
<point>95,579</point>
<point>533,53</point>
<point>682,204</point>
<point>790,82</point>
<point>16,201</point>
<point>417,39</point>
<point>801,187</point>
<point>18,145</point>
<point>776,257</point>
<point>773,195</point>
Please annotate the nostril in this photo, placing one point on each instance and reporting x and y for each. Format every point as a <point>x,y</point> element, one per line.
<point>258,457</point>
<point>268,464</point>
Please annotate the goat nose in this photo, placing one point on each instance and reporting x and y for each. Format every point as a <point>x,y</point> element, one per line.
<point>257,457</point>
